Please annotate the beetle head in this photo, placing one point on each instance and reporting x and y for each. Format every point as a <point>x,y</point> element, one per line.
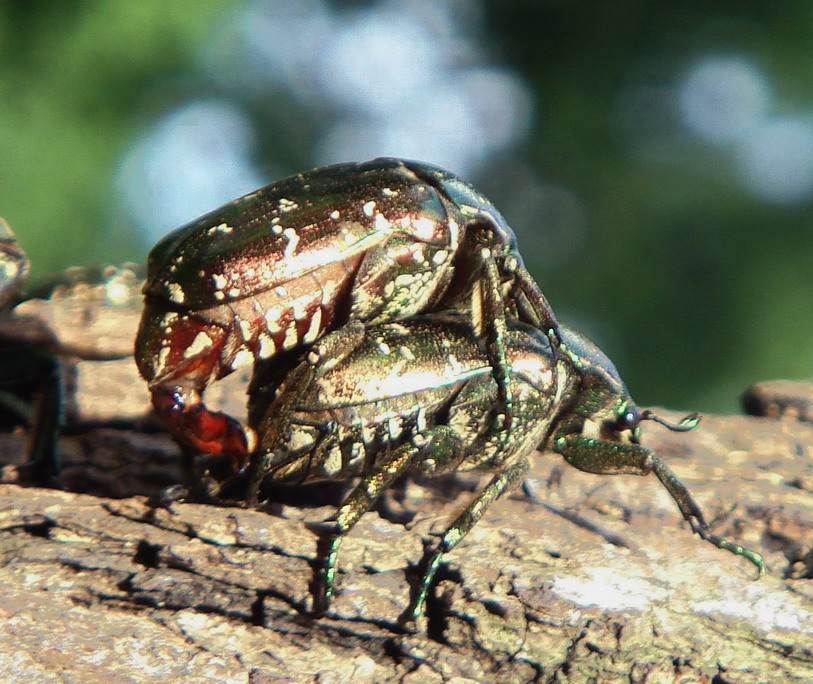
<point>603,397</point>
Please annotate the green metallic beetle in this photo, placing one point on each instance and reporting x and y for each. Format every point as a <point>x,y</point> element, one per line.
<point>419,395</point>
<point>274,270</point>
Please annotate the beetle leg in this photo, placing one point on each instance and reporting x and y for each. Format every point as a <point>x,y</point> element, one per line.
<point>436,450</point>
<point>492,325</point>
<point>611,458</point>
<point>502,481</point>
<point>47,415</point>
<point>539,311</point>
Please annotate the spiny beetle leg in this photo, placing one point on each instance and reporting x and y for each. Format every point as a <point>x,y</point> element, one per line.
<point>435,450</point>
<point>611,458</point>
<point>502,481</point>
<point>494,329</point>
<point>694,516</point>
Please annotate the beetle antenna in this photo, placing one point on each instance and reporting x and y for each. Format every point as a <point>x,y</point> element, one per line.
<point>686,423</point>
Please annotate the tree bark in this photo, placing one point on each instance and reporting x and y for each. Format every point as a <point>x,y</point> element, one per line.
<point>599,579</point>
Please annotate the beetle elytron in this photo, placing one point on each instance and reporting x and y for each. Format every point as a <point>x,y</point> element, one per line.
<point>419,394</point>
<point>274,270</point>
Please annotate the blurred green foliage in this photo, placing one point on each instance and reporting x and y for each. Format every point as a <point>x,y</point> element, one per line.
<point>78,80</point>
<point>694,287</point>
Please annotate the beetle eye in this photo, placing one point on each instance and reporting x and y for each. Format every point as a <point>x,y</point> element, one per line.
<point>628,418</point>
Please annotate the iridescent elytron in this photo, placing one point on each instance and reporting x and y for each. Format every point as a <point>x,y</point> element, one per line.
<point>419,395</point>
<point>276,269</point>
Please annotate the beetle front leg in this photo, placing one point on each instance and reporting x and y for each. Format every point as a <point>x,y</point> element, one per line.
<point>611,458</point>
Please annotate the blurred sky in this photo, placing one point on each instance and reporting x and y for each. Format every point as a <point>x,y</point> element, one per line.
<point>655,160</point>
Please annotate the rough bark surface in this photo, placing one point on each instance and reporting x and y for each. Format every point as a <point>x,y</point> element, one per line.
<point>598,579</point>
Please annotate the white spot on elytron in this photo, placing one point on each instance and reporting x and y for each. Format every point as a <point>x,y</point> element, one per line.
<point>424,228</point>
<point>335,214</point>
<point>389,192</point>
<point>267,347</point>
<point>395,427</point>
<point>420,419</point>
<point>163,357</point>
<point>281,291</point>
<point>242,359</point>
<point>313,328</point>
<point>469,210</point>
<point>419,440</point>
<point>202,341</point>
<point>328,290</point>
<point>250,272</point>
<point>300,306</point>
<point>313,358</point>
<point>406,352</point>
<point>332,465</point>
<point>356,457</point>
<point>267,275</point>
<point>454,234</point>
<point>219,295</point>
<point>245,329</point>
<point>291,339</point>
<point>380,223</point>
<point>439,257</point>
<point>398,329</point>
<point>234,292</point>
<point>418,256</point>
<point>368,433</point>
<point>383,347</point>
<point>276,229</point>
<point>293,241</point>
<point>169,318</point>
<point>389,288</point>
<point>368,208</point>
<point>219,281</point>
<point>272,319</point>
<point>176,293</point>
<point>301,439</point>
<point>286,205</point>
<point>404,280</point>
<point>224,228</point>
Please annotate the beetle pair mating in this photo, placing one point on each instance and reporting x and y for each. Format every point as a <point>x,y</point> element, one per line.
<point>442,352</point>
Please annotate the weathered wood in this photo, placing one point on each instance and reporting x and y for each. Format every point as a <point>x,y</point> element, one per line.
<point>601,582</point>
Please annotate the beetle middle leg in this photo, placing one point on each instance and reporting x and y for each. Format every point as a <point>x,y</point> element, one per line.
<point>502,481</point>
<point>436,450</point>
<point>611,458</point>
